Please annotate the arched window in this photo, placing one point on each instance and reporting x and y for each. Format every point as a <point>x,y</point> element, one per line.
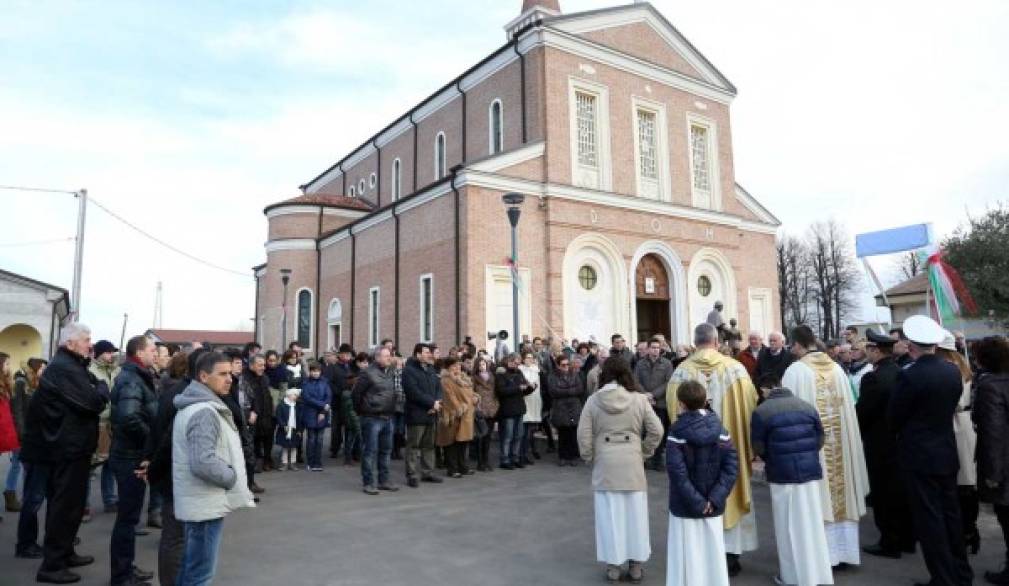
<point>496,127</point>
<point>440,169</point>
<point>397,179</point>
<point>304,319</point>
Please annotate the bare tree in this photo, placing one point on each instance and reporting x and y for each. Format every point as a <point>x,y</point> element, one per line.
<point>835,277</point>
<point>909,264</point>
<point>793,281</point>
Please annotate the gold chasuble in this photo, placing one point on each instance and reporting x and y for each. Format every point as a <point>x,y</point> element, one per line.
<point>821,382</point>
<point>733,398</point>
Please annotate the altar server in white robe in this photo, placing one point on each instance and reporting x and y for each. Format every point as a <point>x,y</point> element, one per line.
<point>816,379</point>
<point>702,467</point>
<point>787,435</point>
<point>618,430</point>
<point>732,397</point>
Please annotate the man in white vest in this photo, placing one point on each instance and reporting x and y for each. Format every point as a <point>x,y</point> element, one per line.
<point>208,466</point>
<point>817,379</point>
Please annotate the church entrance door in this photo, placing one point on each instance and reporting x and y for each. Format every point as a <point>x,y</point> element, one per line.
<point>653,297</point>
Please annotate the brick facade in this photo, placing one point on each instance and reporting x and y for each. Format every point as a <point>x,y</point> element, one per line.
<point>563,228</point>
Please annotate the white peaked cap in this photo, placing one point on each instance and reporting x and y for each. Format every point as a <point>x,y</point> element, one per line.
<point>923,330</point>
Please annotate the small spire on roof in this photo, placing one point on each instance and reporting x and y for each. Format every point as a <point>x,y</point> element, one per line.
<point>533,10</point>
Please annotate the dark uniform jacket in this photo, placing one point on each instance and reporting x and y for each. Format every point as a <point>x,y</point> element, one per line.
<point>921,413</point>
<point>879,441</point>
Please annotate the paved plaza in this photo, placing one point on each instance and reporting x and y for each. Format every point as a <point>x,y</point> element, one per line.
<point>502,528</point>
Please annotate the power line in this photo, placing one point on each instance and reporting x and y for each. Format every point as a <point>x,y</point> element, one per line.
<point>37,242</point>
<point>123,220</point>
<point>163,243</point>
<point>36,189</point>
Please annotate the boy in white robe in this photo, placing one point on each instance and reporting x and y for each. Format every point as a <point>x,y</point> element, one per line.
<point>787,434</point>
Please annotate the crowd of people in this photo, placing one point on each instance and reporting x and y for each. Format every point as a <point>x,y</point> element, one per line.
<point>904,423</point>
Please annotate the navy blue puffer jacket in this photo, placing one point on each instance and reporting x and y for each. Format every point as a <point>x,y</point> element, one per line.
<point>702,465</point>
<point>787,433</point>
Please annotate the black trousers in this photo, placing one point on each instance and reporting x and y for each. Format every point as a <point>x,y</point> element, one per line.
<point>659,457</point>
<point>890,509</point>
<point>970,508</point>
<point>65,494</point>
<point>1002,514</point>
<point>455,458</point>
<point>263,446</point>
<point>567,443</point>
<point>935,509</point>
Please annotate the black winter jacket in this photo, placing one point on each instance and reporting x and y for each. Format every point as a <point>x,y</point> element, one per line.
<point>510,394</point>
<point>991,415</point>
<point>702,465</point>
<point>566,393</point>
<point>422,387</point>
<point>375,392</point>
<point>879,441</point>
<point>134,408</point>
<point>159,443</point>
<point>62,419</point>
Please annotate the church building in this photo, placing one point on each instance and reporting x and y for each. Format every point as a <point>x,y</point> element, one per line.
<point>614,127</point>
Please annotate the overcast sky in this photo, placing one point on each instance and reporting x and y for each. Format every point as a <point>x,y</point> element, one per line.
<point>187,118</point>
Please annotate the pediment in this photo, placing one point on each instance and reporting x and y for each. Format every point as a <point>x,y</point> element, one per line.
<point>640,31</point>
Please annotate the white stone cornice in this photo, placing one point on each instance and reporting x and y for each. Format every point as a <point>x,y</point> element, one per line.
<point>549,190</point>
<point>290,244</point>
<point>436,103</point>
<point>371,221</point>
<point>586,49</point>
<point>477,76</point>
<point>359,155</point>
<point>509,158</point>
<point>751,203</point>
<point>393,132</point>
<point>294,209</point>
<point>424,197</point>
<point>334,238</point>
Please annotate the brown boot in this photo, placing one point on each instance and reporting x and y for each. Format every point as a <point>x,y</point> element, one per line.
<point>11,501</point>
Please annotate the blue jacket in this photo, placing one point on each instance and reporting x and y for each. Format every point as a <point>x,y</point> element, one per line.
<point>921,413</point>
<point>788,435</point>
<point>422,387</point>
<point>315,396</point>
<point>702,465</point>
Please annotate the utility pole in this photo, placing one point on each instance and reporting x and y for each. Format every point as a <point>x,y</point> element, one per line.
<point>122,336</point>
<point>75,294</point>
<point>157,306</point>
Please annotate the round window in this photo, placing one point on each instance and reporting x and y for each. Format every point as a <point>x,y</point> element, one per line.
<point>587,277</point>
<point>704,286</point>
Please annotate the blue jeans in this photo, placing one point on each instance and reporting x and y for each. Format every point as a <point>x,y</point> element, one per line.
<point>377,435</point>
<point>108,483</point>
<point>199,563</point>
<point>131,504</point>
<point>510,431</point>
<point>351,444</point>
<point>313,447</point>
<point>36,481</point>
<point>14,473</point>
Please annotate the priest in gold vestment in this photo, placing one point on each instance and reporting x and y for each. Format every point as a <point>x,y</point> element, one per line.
<point>733,398</point>
<point>815,378</point>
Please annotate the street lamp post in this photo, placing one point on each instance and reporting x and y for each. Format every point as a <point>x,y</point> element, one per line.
<point>285,278</point>
<point>514,203</point>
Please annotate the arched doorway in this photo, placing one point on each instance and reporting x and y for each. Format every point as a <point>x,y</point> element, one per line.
<point>652,296</point>
<point>22,342</point>
<point>595,299</point>
<point>673,321</point>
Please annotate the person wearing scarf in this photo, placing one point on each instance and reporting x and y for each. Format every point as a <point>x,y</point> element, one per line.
<point>456,418</point>
<point>289,423</point>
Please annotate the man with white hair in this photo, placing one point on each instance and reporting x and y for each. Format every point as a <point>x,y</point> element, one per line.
<point>61,434</point>
<point>733,398</point>
<point>775,359</point>
<point>821,382</point>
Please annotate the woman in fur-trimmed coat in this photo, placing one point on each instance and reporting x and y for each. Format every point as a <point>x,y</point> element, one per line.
<point>456,418</point>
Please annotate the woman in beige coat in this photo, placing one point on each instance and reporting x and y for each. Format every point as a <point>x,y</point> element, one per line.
<point>610,431</point>
<point>456,418</point>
